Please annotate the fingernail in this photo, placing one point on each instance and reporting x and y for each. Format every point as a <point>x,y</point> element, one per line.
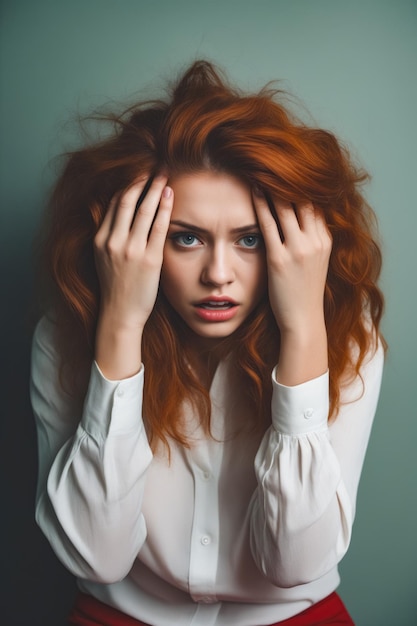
<point>257,192</point>
<point>167,192</point>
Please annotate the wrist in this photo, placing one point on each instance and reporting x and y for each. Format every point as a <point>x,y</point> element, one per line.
<point>118,349</point>
<point>303,354</point>
<point>304,333</point>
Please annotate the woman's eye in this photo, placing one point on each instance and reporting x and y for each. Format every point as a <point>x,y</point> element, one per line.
<point>186,240</point>
<point>250,241</point>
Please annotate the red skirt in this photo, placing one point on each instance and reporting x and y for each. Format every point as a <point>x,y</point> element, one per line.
<point>88,611</point>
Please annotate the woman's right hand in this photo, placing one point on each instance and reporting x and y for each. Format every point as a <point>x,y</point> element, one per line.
<point>129,253</point>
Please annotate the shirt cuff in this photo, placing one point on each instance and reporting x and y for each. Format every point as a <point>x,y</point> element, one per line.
<point>112,406</point>
<point>300,409</point>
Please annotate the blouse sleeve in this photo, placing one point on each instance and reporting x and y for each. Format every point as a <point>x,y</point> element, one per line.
<point>308,474</point>
<point>92,465</point>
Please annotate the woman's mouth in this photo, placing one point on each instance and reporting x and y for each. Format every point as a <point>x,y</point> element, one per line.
<point>216,310</point>
<point>215,305</point>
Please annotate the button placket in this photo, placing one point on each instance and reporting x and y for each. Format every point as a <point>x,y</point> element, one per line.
<point>204,548</point>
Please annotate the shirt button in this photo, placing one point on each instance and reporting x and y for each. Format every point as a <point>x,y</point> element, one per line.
<point>206,475</point>
<point>205,540</point>
<point>120,393</point>
<point>308,413</point>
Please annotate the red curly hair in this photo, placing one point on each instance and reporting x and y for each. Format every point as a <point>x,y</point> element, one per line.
<point>206,124</point>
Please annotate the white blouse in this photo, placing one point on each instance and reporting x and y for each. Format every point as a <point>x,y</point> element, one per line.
<point>239,529</point>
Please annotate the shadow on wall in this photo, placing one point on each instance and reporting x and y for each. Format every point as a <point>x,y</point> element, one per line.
<point>37,589</point>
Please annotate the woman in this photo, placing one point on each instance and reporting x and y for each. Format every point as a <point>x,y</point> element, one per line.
<point>226,246</point>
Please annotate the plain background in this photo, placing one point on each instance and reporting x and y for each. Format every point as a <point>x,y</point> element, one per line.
<point>353,65</point>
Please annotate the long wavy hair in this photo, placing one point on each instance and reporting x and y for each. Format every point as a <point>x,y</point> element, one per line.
<point>205,124</point>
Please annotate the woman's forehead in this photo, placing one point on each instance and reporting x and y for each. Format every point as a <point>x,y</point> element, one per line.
<point>209,197</point>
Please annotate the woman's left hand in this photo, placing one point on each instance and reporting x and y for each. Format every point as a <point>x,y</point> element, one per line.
<point>297,263</point>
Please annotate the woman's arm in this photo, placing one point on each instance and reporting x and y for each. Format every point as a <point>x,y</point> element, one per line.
<point>308,473</point>
<point>90,491</point>
<point>298,246</point>
<point>129,252</point>
<point>93,458</point>
<point>303,509</point>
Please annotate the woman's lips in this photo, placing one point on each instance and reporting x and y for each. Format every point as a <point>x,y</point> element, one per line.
<point>216,309</point>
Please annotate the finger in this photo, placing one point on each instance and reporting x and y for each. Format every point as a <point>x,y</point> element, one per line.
<point>147,210</point>
<point>323,229</point>
<point>161,223</point>
<point>106,225</point>
<point>288,220</point>
<point>267,222</point>
<point>307,216</point>
<point>312,221</point>
<point>126,208</point>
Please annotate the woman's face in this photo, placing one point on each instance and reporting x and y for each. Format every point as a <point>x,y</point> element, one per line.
<point>214,270</point>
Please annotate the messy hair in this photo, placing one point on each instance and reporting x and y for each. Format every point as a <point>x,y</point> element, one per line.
<point>205,124</point>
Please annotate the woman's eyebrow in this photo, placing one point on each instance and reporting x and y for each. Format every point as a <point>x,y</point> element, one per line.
<point>198,229</point>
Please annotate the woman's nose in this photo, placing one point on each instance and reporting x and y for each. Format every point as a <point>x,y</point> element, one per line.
<point>218,268</point>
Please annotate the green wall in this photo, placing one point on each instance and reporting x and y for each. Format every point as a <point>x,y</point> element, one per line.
<point>353,64</point>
